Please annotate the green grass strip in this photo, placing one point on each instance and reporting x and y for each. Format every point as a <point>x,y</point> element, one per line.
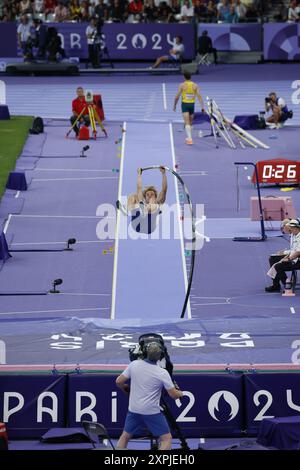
<point>13,134</point>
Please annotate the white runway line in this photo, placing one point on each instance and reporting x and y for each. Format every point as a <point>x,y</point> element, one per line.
<point>192,171</point>
<point>59,216</point>
<point>7,224</point>
<point>2,352</point>
<point>216,298</point>
<point>211,303</point>
<point>60,243</point>
<point>193,174</point>
<point>77,293</point>
<point>76,179</point>
<point>55,311</point>
<point>164,96</point>
<point>179,222</point>
<point>83,170</point>
<point>115,268</point>
<point>292,310</point>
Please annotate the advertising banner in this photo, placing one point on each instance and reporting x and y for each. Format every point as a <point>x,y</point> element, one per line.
<point>8,42</point>
<point>30,405</point>
<point>128,41</point>
<point>270,395</point>
<point>213,404</point>
<point>234,37</point>
<point>282,41</point>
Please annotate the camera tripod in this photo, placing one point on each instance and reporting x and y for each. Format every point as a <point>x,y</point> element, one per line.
<point>101,51</point>
<point>173,427</point>
<point>94,117</point>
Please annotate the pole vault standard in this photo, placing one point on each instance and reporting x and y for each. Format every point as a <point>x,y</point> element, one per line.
<point>193,250</point>
<point>263,236</point>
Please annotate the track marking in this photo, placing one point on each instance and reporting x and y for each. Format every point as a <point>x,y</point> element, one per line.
<point>210,303</point>
<point>7,224</point>
<point>60,216</point>
<point>164,96</point>
<point>82,170</point>
<point>55,311</point>
<point>179,222</point>
<point>75,179</point>
<point>116,252</point>
<point>60,243</point>
<point>78,293</point>
<point>292,310</point>
<point>218,298</point>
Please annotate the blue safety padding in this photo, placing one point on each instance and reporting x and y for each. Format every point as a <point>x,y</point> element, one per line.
<point>17,181</point>
<point>4,253</point>
<point>4,112</point>
<point>247,121</point>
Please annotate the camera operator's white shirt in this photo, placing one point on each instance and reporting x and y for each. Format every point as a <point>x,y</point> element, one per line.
<point>91,30</point>
<point>147,381</point>
<point>25,31</point>
<point>281,102</point>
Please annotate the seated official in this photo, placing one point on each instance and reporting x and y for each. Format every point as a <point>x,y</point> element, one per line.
<point>175,54</point>
<point>279,109</point>
<point>205,46</point>
<point>290,259</point>
<point>79,108</point>
<point>275,258</point>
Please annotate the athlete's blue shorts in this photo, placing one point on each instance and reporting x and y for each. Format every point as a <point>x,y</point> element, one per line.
<point>136,423</point>
<point>188,108</point>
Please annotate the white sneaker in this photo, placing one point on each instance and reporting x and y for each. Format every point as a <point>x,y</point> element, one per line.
<point>272,126</point>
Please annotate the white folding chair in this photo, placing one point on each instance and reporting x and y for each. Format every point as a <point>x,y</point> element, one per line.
<point>204,59</point>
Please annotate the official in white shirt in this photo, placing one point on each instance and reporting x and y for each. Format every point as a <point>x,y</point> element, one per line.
<point>290,261</point>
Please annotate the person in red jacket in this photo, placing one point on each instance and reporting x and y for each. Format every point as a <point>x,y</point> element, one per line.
<point>135,7</point>
<point>79,105</point>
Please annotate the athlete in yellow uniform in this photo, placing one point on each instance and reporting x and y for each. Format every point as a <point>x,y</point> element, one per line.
<point>188,91</point>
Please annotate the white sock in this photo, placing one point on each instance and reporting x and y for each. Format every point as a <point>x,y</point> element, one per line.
<point>188,131</point>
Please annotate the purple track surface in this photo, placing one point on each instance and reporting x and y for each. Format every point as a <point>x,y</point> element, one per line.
<point>143,444</point>
<point>233,319</point>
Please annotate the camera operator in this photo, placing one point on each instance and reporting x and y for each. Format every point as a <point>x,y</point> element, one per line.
<point>91,33</point>
<point>54,45</point>
<point>279,109</point>
<point>39,37</point>
<point>147,380</point>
